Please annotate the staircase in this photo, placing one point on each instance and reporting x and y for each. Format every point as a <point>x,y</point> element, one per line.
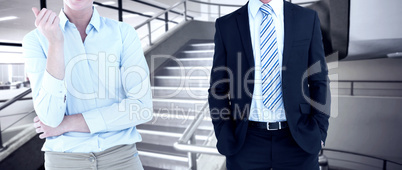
<point>180,90</point>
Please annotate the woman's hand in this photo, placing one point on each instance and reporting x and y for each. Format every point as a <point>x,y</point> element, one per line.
<point>47,22</point>
<point>47,131</point>
<point>70,123</point>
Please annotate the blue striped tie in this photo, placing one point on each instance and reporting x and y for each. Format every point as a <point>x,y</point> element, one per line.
<point>270,68</point>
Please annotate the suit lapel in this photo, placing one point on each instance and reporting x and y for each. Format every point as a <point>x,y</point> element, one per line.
<point>288,39</point>
<point>244,28</point>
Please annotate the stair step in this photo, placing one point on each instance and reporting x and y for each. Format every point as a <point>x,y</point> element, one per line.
<point>166,138</point>
<point>184,104</point>
<point>176,81</point>
<point>161,149</point>
<point>151,168</point>
<point>176,111</point>
<point>183,123</point>
<point>200,46</point>
<point>185,71</point>
<point>196,54</point>
<point>173,129</point>
<point>191,62</point>
<point>180,93</point>
<point>163,161</point>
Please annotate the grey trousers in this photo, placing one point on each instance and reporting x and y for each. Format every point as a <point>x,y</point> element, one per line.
<point>117,157</point>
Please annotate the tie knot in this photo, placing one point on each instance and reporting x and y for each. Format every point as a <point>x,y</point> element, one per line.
<point>267,9</point>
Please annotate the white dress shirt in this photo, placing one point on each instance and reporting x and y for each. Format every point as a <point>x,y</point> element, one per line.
<point>258,112</point>
<point>106,79</point>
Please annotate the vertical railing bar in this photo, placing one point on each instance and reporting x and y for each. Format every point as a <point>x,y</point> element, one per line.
<point>219,11</point>
<point>185,10</point>
<point>149,33</point>
<point>1,141</point>
<point>166,21</point>
<point>120,10</point>
<point>192,157</point>
<point>43,4</point>
<point>351,88</point>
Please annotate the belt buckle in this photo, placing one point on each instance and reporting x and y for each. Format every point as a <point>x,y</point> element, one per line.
<point>280,126</point>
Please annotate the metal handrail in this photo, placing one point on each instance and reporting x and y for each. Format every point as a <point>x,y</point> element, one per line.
<point>8,103</point>
<point>158,7</point>
<point>128,11</point>
<point>165,12</point>
<point>352,83</point>
<point>184,143</point>
<point>215,4</point>
<point>159,14</point>
<point>385,161</point>
<point>16,98</point>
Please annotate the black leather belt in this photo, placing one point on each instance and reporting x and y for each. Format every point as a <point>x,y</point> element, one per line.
<point>268,125</point>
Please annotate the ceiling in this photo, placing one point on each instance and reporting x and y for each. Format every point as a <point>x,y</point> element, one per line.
<point>14,30</point>
<point>375,27</point>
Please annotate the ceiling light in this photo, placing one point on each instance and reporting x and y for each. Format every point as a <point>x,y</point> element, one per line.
<point>8,18</point>
<point>130,15</point>
<point>8,49</point>
<point>149,13</point>
<point>11,58</point>
<point>108,3</point>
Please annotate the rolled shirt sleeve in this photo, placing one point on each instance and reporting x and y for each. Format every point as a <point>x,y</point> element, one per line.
<point>48,93</point>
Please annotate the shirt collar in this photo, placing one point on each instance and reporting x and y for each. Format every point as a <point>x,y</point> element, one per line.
<point>63,19</point>
<point>95,19</point>
<point>255,5</point>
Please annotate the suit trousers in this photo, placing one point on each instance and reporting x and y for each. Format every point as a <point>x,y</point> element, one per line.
<point>274,149</point>
<point>117,157</point>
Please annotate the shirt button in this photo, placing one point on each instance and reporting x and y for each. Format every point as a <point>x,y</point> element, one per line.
<point>91,159</point>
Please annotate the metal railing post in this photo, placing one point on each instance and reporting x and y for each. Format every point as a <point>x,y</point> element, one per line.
<point>351,88</point>
<point>192,157</point>
<point>219,11</point>
<point>323,161</point>
<point>43,4</point>
<point>185,10</point>
<point>120,9</point>
<point>1,141</point>
<point>149,32</point>
<point>166,21</point>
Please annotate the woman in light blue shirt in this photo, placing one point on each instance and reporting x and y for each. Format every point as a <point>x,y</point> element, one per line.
<point>90,87</point>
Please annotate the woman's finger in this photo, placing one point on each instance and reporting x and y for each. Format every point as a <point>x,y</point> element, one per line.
<point>39,130</point>
<point>57,20</point>
<point>45,17</point>
<point>51,19</point>
<point>37,125</point>
<point>40,16</point>
<point>35,11</point>
<point>36,119</point>
<point>42,136</point>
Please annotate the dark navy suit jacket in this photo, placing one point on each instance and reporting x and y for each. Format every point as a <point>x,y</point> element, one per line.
<point>232,79</point>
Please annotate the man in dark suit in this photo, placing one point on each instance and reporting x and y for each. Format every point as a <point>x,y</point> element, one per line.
<point>266,116</point>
